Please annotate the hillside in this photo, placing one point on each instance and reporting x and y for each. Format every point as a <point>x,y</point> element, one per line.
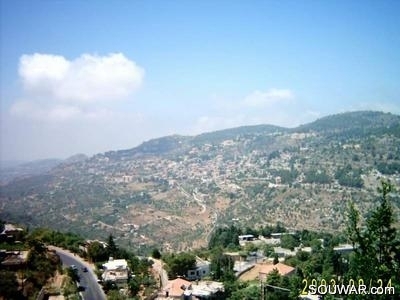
<point>10,170</point>
<point>172,191</point>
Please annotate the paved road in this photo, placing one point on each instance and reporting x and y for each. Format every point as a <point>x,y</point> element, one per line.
<point>93,290</point>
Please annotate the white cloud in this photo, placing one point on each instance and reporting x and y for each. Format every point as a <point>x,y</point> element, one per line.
<point>272,96</point>
<point>88,78</point>
<point>59,89</point>
<point>41,71</point>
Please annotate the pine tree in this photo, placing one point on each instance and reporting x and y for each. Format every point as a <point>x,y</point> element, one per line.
<point>377,247</point>
<point>112,247</point>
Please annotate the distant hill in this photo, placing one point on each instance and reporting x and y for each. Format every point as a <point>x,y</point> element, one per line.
<point>75,158</point>
<point>158,146</point>
<point>233,133</point>
<point>10,171</point>
<point>358,122</point>
<point>169,144</point>
<point>18,170</point>
<point>173,191</point>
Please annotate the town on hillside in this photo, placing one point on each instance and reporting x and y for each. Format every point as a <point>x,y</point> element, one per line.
<point>173,192</point>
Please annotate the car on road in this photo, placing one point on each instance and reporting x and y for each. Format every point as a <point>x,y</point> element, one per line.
<point>84,269</point>
<point>81,288</point>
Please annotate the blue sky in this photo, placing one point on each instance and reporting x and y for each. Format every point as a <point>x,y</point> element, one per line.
<point>92,76</point>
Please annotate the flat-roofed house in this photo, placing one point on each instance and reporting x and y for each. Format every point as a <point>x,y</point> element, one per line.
<point>116,270</point>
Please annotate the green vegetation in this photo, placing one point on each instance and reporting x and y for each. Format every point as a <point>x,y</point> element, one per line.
<point>246,292</point>
<point>142,198</point>
<point>155,253</point>
<point>289,241</point>
<point>377,253</point>
<point>388,168</point>
<point>375,258</point>
<point>9,287</point>
<point>97,252</point>
<point>301,176</point>
<point>23,277</point>
<point>70,241</point>
<point>222,266</point>
<point>178,264</point>
<point>42,264</point>
<point>225,238</point>
<point>349,176</point>
<point>317,176</point>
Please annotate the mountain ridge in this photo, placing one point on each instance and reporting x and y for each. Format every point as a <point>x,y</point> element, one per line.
<point>319,124</point>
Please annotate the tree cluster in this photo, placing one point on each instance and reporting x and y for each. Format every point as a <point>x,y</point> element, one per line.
<point>349,176</point>
<point>24,281</point>
<point>179,264</point>
<point>376,243</point>
<point>226,237</point>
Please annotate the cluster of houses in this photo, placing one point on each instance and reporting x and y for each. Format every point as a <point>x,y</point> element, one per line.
<point>275,240</point>
<point>193,286</point>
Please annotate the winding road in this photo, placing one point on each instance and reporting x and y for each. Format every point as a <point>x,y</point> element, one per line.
<point>88,280</point>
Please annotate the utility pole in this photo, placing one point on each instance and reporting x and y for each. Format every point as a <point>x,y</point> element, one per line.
<point>262,289</point>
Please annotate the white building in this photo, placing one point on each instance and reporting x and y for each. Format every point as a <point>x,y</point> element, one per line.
<point>207,289</point>
<point>344,248</point>
<point>116,270</point>
<point>245,238</point>
<point>202,269</point>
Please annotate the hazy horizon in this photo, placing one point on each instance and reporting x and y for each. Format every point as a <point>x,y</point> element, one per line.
<point>90,77</point>
<point>140,142</point>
